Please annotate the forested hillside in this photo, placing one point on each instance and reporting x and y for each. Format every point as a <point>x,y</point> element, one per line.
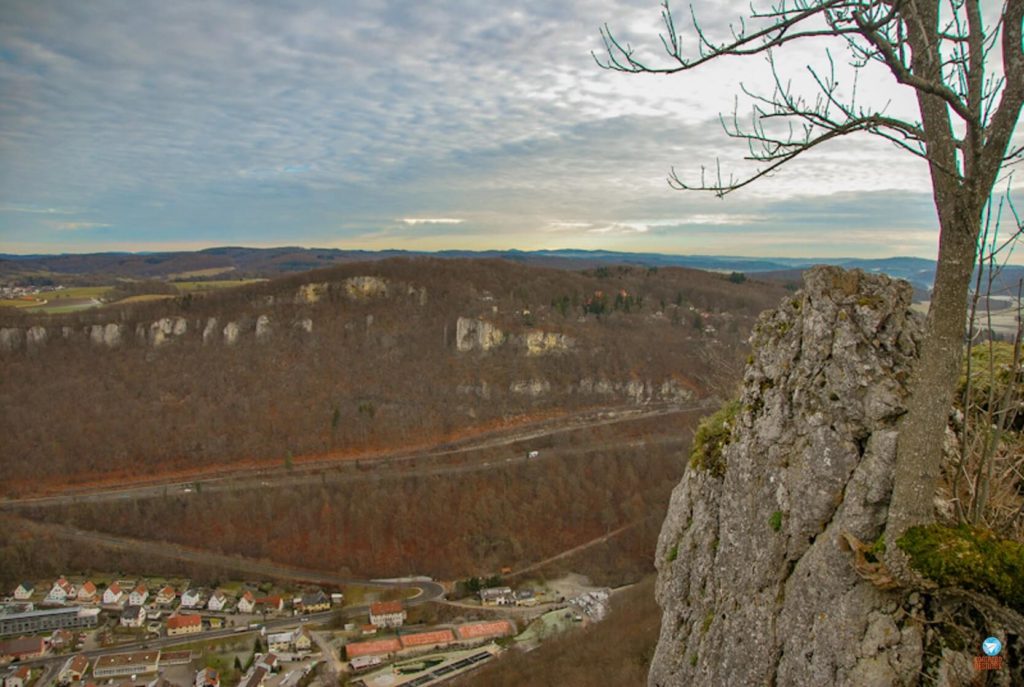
<point>345,361</point>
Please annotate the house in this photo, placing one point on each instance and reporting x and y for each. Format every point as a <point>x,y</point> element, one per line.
<point>113,595</point>
<point>497,596</point>
<point>368,630</point>
<point>217,601</point>
<point>87,592</point>
<point>302,641</point>
<point>207,677</point>
<point>280,641</point>
<point>133,616</point>
<point>188,624</point>
<point>269,662</point>
<point>272,604</point>
<point>19,678</point>
<point>315,601</point>
<point>166,596</point>
<point>24,591</point>
<point>247,604</point>
<point>387,614</point>
<point>525,597</point>
<point>295,640</point>
<point>139,595</point>
<point>62,589</point>
<point>361,663</point>
<point>22,649</point>
<point>61,639</point>
<point>73,670</point>
<point>191,599</point>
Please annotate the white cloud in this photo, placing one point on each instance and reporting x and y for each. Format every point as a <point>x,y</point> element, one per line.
<point>413,221</point>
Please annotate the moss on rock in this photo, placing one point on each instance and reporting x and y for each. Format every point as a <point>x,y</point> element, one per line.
<point>969,558</point>
<point>712,436</point>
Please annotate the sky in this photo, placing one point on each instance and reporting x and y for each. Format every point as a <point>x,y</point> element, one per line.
<point>149,125</point>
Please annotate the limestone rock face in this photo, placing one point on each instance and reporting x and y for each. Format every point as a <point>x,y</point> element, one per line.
<point>312,293</point>
<point>530,387</point>
<point>541,343</point>
<point>754,583</point>
<point>210,330</point>
<point>365,287</point>
<point>231,333</point>
<point>36,336</point>
<point>10,338</point>
<point>263,330</point>
<point>162,331</point>
<point>473,334</point>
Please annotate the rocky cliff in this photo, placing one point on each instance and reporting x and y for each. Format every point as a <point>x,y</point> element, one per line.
<point>757,582</point>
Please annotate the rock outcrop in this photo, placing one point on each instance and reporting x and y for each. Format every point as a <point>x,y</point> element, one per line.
<point>312,293</point>
<point>541,343</point>
<point>472,334</point>
<point>365,287</point>
<point>263,330</point>
<point>210,331</point>
<point>10,338</point>
<point>231,333</point>
<point>754,581</point>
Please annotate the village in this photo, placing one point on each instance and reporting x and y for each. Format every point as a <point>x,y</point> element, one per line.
<point>78,632</point>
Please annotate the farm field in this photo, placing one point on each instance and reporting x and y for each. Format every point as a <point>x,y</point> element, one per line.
<point>74,298</point>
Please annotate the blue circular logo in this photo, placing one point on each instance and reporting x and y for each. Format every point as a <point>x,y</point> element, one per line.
<point>991,646</point>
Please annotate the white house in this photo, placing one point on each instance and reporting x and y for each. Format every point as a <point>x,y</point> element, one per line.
<point>191,599</point>
<point>387,614</point>
<point>295,640</point>
<point>133,616</point>
<point>139,595</point>
<point>497,596</point>
<point>62,589</point>
<point>217,601</point>
<point>166,595</point>
<point>247,604</point>
<point>113,594</point>
<point>24,591</point>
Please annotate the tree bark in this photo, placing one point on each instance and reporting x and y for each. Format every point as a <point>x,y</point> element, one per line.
<point>923,429</point>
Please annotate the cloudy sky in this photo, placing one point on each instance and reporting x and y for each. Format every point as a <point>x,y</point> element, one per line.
<point>150,125</point>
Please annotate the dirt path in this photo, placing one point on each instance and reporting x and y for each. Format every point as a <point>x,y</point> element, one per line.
<point>576,549</point>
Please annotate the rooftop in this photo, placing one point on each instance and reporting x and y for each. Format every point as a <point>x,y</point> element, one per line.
<point>385,607</point>
<point>129,659</point>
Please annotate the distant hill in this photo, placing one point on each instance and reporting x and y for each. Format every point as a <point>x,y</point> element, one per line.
<point>240,262</point>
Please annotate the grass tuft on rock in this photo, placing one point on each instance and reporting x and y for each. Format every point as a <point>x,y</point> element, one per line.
<point>970,558</point>
<point>713,435</point>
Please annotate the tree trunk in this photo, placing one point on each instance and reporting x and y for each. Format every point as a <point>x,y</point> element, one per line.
<point>935,376</point>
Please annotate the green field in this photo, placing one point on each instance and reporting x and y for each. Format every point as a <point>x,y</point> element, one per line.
<point>193,286</point>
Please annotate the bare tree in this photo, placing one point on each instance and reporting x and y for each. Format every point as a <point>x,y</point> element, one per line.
<point>968,107</point>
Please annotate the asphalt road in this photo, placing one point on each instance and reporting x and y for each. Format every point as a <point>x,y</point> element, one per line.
<point>350,469</point>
